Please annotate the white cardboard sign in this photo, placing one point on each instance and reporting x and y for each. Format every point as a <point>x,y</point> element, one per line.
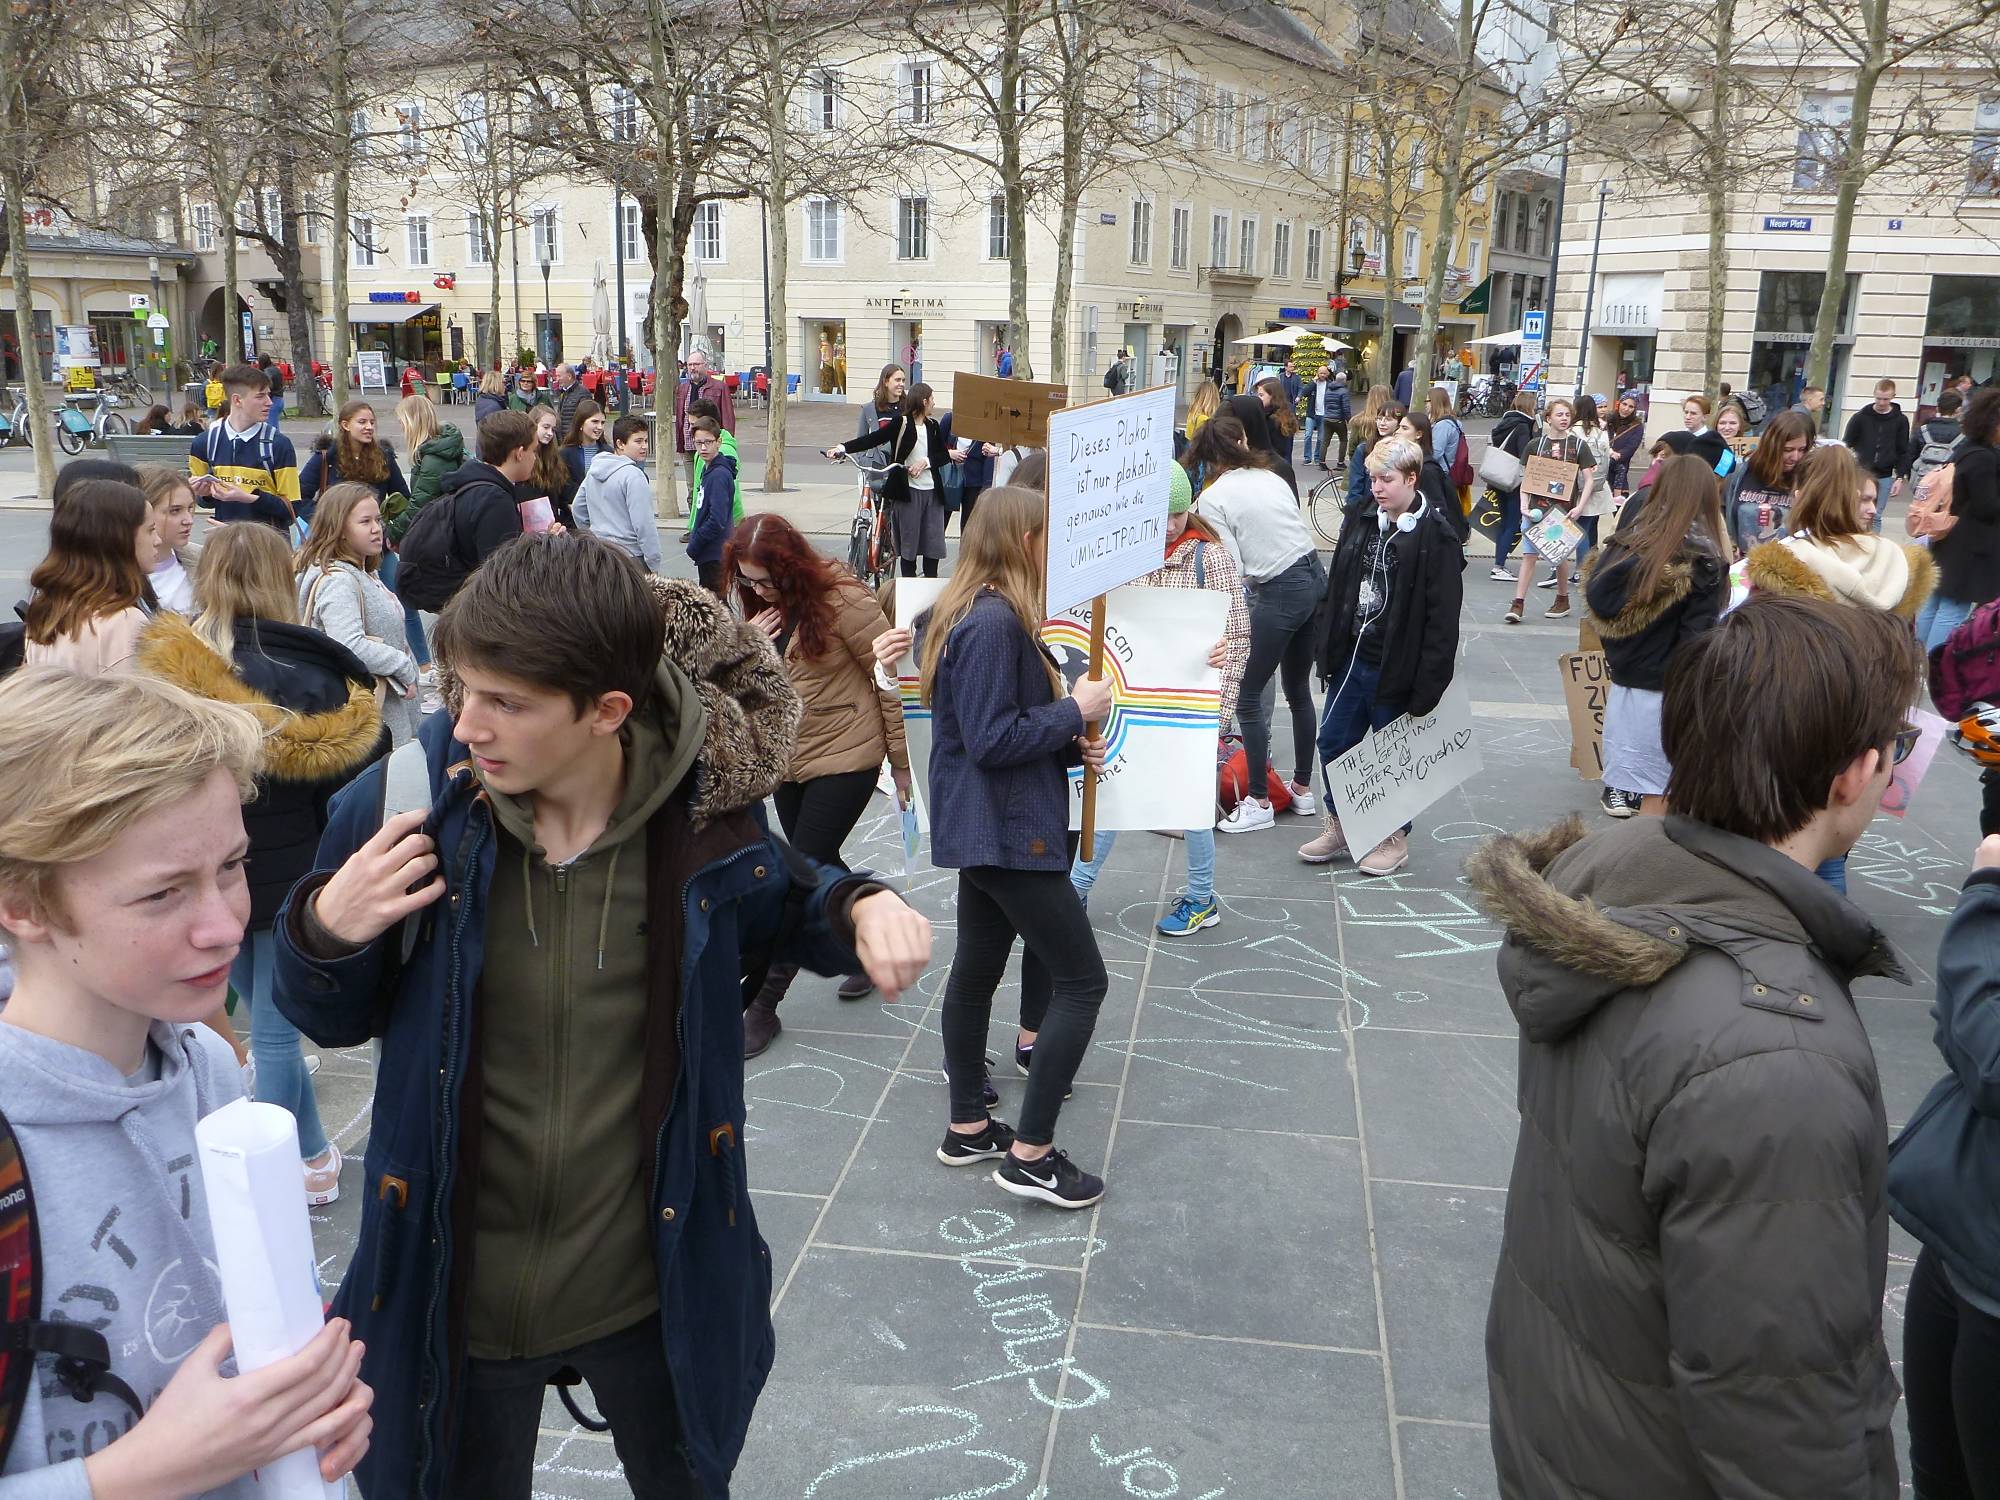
<point>1166,701</point>
<point>1401,769</point>
<point>1108,486</point>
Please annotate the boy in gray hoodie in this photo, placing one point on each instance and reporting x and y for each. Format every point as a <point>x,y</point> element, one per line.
<point>616,500</point>
<point>123,899</point>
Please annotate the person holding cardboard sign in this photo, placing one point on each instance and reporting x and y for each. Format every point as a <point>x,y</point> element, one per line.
<point>1559,473</point>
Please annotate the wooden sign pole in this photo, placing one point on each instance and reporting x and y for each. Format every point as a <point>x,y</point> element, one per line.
<point>1091,731</point>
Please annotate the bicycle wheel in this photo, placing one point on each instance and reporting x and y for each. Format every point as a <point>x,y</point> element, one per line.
<point>857,547</point>
<point>113,423</point>
<point>71,442</point>
<point>1325,504</point>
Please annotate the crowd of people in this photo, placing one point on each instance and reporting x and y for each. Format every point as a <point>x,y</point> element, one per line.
<point>424,750</point>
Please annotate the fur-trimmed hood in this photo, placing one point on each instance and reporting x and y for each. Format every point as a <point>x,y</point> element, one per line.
<point>317,703</point>
<point>751,711</point>
<point>1609,603</point>
<point>1589,917</point>
<point>1874,571</point>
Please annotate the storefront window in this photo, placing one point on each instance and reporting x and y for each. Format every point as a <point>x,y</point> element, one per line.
<point>1634,367</point>
<point>826,355</point>
<point>10,345</point>
<point>1961,334</point>
<point>1787,309</point>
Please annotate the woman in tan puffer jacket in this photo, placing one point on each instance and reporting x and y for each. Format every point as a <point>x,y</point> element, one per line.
<point>824,625</point>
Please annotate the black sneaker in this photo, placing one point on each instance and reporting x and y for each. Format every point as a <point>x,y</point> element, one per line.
<point>988,1095</point>
<point>964,1150</point>
<point>1024,1058</point>
<point>1617,804</point>
<point>1055,1179</point>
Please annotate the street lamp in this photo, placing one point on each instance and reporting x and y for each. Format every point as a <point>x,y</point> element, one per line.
<point>1590,287</point>
<point>548,317</point>
<point>155,310</point>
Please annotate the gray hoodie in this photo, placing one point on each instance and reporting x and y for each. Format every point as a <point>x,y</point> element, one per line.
<point>126,1246</point>
<point>616,502</point>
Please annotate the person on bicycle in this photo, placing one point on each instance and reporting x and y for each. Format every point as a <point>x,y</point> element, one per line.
<point>880,410</point>
<point>913,486</point>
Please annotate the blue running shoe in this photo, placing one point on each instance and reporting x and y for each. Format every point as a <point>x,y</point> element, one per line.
<point>1188,916</point>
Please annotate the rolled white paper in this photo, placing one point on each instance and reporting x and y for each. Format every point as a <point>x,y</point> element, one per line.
<point>251,1174</point>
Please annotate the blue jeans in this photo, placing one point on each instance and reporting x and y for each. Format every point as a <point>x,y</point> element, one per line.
<point>413,621</point>
<point>1834,872</point>
<point>274,1043</point>
<point>1200,857</point>
<point>1350,714</point>
<point>1883,483</point>
<point>1939,618</point>
<point>1510,526</point>
<point>1311,429</point>
<point>277,412</point>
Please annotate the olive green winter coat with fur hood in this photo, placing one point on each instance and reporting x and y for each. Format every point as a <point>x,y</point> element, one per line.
<point>1689,1297</point>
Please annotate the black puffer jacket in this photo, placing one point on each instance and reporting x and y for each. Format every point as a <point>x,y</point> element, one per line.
<point>322,729</point>
<point>1640,636</point>
<point>1689,1297</point>
<point>1880,439</point>
<point>1426,587</point>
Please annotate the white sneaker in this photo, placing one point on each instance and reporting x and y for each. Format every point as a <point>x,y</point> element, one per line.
<point>323,1177</point>
<point>1247,816</point>
<point>1303,804</point>
<point>1503,575</point>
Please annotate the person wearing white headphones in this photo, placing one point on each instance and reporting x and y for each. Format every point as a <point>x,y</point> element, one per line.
<point>1389,631</point>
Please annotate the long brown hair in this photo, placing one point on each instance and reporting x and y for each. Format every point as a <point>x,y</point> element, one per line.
<point>1361,426</point>
<point>245,573</point>
<point>366,462</point>
<point>1220,446</point>
<point>1827,504</point>
<point>1420,424</point>
<point>1001,549</point>
<point>1283,417</point>
<point>326,541</point>
<point>1767,463</point>
<point>551,471</point>
<point>1686,497</point>
<point>885,404</point>
<point>803,583</point>
<point>585,410</point>
<point>92,568</point>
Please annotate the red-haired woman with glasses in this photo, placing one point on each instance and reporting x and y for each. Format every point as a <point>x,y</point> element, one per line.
<point>824,624</point>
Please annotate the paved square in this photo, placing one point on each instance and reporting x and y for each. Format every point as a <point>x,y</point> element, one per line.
<point>1306,1118</point>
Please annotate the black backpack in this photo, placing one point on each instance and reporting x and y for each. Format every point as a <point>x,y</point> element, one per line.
<point>431,562</point>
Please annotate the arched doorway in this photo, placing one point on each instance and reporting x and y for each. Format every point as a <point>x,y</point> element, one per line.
<point>1227,327</point>
<point>208,327</point>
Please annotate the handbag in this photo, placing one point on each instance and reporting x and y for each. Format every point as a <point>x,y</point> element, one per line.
<point>951,482</point>
<point>1943,1169</point>
<point>361,601</point>
<point>1233,777</point>
<point>1498,468</point>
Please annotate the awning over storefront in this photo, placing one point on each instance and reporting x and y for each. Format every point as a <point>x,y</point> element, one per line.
<point>387,312</point>
<point>1476,300</point>
<point>1405,315</point>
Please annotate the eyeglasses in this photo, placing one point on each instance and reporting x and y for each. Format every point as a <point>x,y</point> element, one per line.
<point>1904,742</point>
<point>759,584</point>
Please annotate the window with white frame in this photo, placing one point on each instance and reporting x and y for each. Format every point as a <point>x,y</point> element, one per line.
<point>1292,139</point>
<point>1256,130</point>
<point>621,116</point>
<point>705,238</point>
<point>204,226</point>
<point>1475,253</point>
<point>1246,244</point>
<point>417,239</point>
<point>1378,242</point>
<point>1417,174</point>
<point>274,213</point>
<point>823,231</point>
<point>913,228</point>
<point>631,232</point>
<point>478,244</point>
<point>1225,121</point>
<point>363,251</point>
<point>1823,122</point>
<point>1315,251</point>
<point>823,100</point>
<point>1281,251</point>
<point>1180,236</point>
<point>1187,110</point>
<point>410,129</point>
<point>1479,191</point>
<point>545,236</point>
<point>1142,231</point>
<point>1363,164</point>
<point>1982,174</point>
<point>246,213</point>
<point>916,90</point>
<point>1218,239</point>
<point>1145,104</point>
<point>309,231</point>
<point>1413,249</point>
<point>474,135</point>
<point>996,226</point>
<point>357,132</point>
<point>1319,147</point>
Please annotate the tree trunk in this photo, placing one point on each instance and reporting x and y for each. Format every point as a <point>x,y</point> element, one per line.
<point>1059,295</point>
<point>232,323</point>
<point>489,357</point>
<point>1819,360</point>
<point>666,292</point>
<point>1014,197</point>
<point>777,198</point>
<point>1384,372</point>
<point>337,232</point>
<point>1448,167</point>
<point>291,268</point>
<point>40,430</point>
<point>1717,194</point>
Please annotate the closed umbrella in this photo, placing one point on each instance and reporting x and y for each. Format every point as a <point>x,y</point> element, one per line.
<point>600,318</point>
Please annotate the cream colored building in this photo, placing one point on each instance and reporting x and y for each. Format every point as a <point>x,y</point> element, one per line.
<point>1923,268</point>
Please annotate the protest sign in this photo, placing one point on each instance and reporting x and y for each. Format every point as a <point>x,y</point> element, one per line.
<point>1556,536</point>
<point>1013,413</point>
<point>1547,481</point>
<point>1906,778</point>
<point>1401,769</point>
<point>1159,771</point>
<point>1108,482</point>
<point>1586,689</point>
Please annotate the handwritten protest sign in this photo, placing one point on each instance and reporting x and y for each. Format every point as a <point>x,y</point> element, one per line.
<point>1009,412</point>
<point>1556,536</point>
<point>1166,702</point>
<point>1108,483</point>
<point>1546,480</point>
<point>1586,689</point>
<point>1401,769</point>
<point>1907,777</point>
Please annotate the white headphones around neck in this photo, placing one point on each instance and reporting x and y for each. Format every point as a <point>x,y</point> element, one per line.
<point>1406,522</point>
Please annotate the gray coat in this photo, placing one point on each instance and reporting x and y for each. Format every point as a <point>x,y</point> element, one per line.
<point>1689,1297</point>
<point>358,610</point>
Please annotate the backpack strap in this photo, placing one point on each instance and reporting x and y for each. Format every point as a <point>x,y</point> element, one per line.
<point>1200,568</point>
<point>82,1356</point>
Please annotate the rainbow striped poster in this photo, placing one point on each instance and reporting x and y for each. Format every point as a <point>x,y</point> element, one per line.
<point>1166,702</point>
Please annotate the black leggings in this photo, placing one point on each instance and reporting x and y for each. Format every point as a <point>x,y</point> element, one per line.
<point>817,817</point>
<point>1062,977</point>
<point>1951,1369</point>
<point>908,565</point>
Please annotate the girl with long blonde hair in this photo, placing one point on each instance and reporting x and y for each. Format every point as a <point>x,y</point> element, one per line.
<point>341,593</point>
<point>1004,736</point>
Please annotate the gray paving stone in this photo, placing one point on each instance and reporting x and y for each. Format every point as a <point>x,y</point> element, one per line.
<point>1438,1248</point>
<point>1443,1462</point>
<point>1220,1232</point>
<point>1438,1108</point>
<point>809,1099</point>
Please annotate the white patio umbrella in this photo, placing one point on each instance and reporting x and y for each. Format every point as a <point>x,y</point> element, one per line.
<point>1286,338</point>
<point>1499,339</point>
<point>600,317</point>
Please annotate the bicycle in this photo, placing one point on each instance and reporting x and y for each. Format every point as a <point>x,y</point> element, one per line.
<point>103,418</point>
<point>1326,506</point>
<point>871,536</point>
